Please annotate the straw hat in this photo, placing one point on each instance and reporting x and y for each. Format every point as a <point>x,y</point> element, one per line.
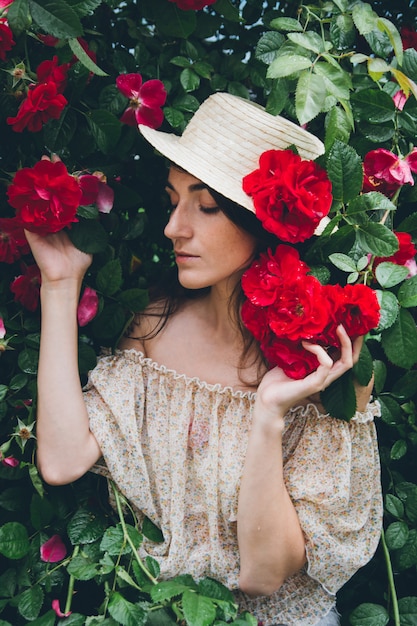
<point>224,140</point>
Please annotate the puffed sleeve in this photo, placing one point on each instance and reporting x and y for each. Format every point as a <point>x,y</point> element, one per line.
<point>332,474</point>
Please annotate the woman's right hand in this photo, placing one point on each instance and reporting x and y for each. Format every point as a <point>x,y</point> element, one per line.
<point>57,258</point>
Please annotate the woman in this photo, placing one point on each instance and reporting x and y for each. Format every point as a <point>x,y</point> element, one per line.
<point>248,480</point>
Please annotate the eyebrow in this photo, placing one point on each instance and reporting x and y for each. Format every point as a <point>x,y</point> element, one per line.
<point>194,187</point>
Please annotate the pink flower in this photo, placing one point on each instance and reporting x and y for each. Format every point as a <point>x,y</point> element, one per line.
<point>400,99</point>
<point>96,191</point>
<point>386,172</point>
<point>26,287</point>
<point>6,39</point>
<point>50,71</point>
<point>10,461</point>
<point>145,100</point>
<point>87,307</point>
<point>56,608</point>
<point>53,550</point>
<point>2,328</point>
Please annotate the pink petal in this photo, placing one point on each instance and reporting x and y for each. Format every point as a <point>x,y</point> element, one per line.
<point>129,117</point>
<point>412,160</point>
<point>105,198</point>
<point>400,99</point>
<point>153,94</point>
<point>401,173</point>
<point>10,461</point>
<point>2,328</point>
<point>129,84</point>
<point>53,550</point>
<point>56,608</point>
<point>87,307</point>
<point>149,117</point>
<point>89,187</point>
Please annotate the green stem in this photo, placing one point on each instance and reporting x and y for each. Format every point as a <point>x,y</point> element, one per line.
<point>71,583</point>
<point>391,582</point>
<point>127,536</point>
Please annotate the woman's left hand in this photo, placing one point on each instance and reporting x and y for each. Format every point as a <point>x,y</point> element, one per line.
<point>277,393</point>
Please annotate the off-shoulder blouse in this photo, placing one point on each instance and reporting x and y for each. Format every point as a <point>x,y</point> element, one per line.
<point>175,446</point>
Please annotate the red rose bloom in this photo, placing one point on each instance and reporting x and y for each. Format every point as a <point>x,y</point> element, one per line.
<point>406,251</point>
<point>145,100</point>
<point>45,196</point>
<point>50,71</point>
<point>6,39</point>
<point>26,287</point>
<point>43,102</point>
<point>48,40</point>
<point>13,242</point>
<point>255,318</point>
<point>408,37</point>
<point>291,357</point>
<point>358,310</point>
<point>192,5</point>
<point>290,195</point>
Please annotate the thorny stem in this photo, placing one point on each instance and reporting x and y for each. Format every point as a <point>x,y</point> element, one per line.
<point>127,536</point>
<point>391,582</point>
<point>70,591</point>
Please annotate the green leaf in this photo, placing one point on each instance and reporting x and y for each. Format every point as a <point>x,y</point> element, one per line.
<point>373,105</point>
<point>344,168</point>
<point>58,133</point>
<point>394,505</point>
<point>174,22</point>
<point>180,61</point>
<point>368,614</point>
<point>28,361</point>
<point>109,278</point>
<point>56,18</point>
<point>134,299</point>
<point>82,568</point>
<point>189,80</point>
<point>227,10</point>
<point>114,542</point>
<point>343,262</point>
<point>407,293</point>
<point>151,531</point>
<point>338,82</point>
<point>159,618</point>
<point>406,556</point>
<point>337,127</point>
<point>364,17</point>
<point>85,527</point>
<point>342,31</point>
<point>409,64</point>
<point>105,128</point>
<point>389,309</point>
<point>109,323</point>
<point>394,36</point>
<point>339,399</point>
<point>88,236</point>
<point>400,341</point>
<point>376,239</point>
<point>18,16</point>
<point>396,535</point>
<point>82,56</point>
<point>286,65</point>
<point>371,201</point>
<point>198,610</point>
<point>363,369</point>
<point>390,274</point>
<point>126,613</point>
<point>30,602</point>
<point>287,24</point>
<point>391,412</point>
<point>398,450</point>
<point>268,46</point>
<point>174,117</point>
<point>41,512</point>
<point>310,96</point>
<point>168,589</point>
<point>14,540</point>
<point>405,387</point>
<point>308,40</point>
<point>408,611</point>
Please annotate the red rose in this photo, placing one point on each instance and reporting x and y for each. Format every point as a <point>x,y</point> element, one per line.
<point>261,281</point>
<point>26,287</point>
<point>95,190</point>
<point>408,37</point>
<point>291,357</point>
<point>50,71</point>
<point>406,251</point>
<point>6,39</point>
<point>45,196</point>
<point>192,5</point>
<point>43,102</point>
<point>290,195</point>
<point>13,242</point>
<point>358,310</point>
<point>300,311</point>
<point>48,40</point>
<point>256,321</point>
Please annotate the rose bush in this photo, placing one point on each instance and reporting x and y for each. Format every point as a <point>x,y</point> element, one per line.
<point>347,71</point>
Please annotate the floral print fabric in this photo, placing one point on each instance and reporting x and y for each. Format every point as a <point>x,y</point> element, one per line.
<point>175,446</point>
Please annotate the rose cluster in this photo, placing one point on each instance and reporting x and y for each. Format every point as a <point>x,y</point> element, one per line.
<point>287,306</point>
<point>290,195</point>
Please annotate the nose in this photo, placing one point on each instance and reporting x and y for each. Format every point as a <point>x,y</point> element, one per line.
<point>179,224</point>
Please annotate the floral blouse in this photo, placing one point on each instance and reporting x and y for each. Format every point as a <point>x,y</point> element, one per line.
<point>175,446</point>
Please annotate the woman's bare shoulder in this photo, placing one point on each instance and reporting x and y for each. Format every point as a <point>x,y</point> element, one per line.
<point>144,326</point>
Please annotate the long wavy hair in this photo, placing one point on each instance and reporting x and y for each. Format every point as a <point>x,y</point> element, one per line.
<point>167,295</point>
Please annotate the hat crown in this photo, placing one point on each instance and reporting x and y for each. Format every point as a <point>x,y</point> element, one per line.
<point>224,139</point>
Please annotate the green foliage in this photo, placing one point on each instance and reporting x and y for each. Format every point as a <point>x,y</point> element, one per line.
<point>333,66</point>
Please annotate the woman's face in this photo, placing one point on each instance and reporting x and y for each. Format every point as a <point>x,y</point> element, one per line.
<point>210,250</point>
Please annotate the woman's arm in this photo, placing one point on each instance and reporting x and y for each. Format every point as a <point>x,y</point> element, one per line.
<point>66,447</point>
<point>271,541</point>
